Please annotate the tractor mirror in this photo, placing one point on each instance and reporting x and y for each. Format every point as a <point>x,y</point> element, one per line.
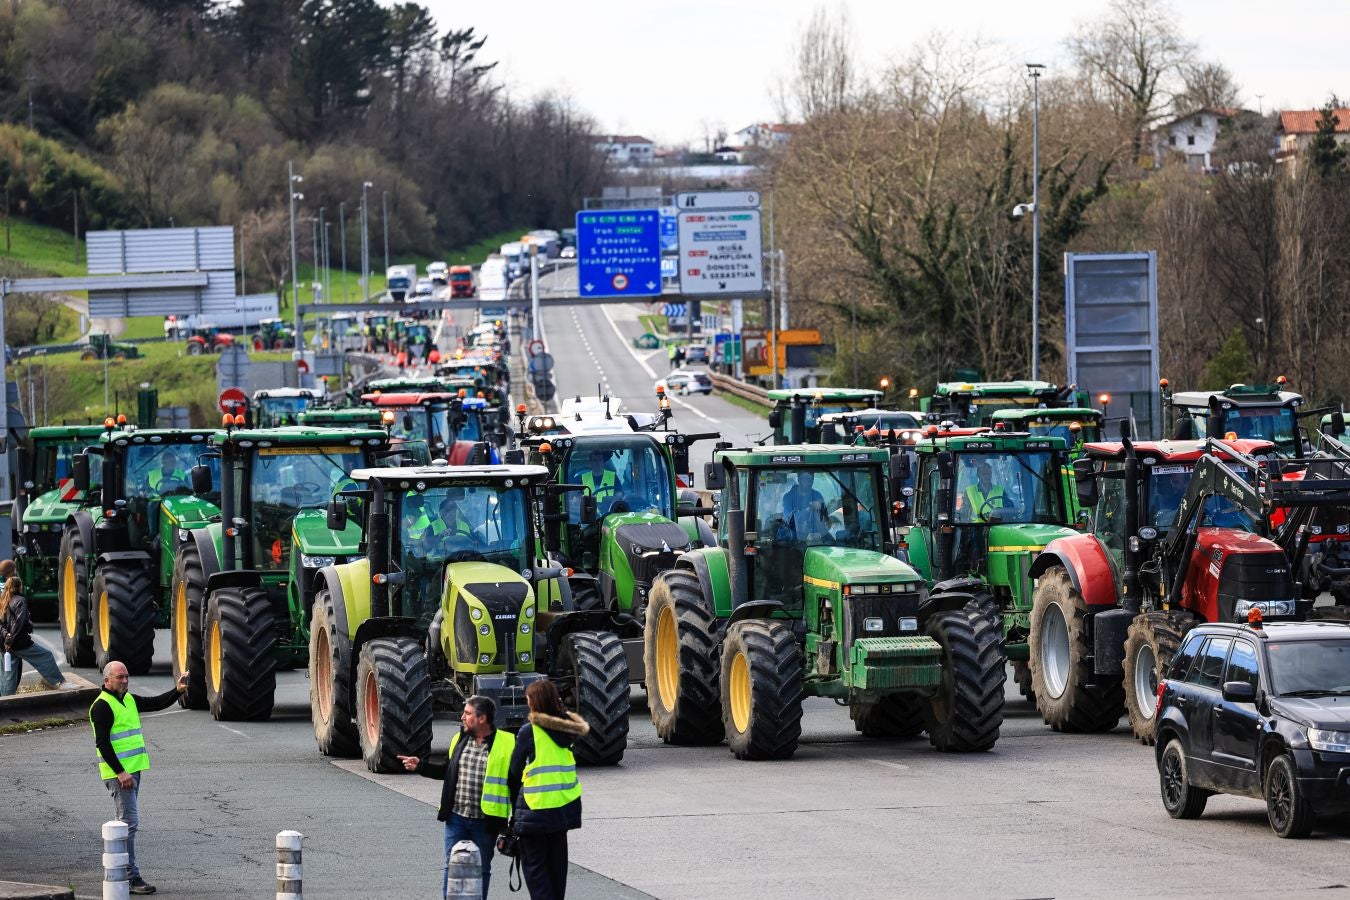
<point>946,462</point>
<point>712,476</point>
<point>1183,429</point>
<point>408,422</point>
<point>589,516</point>
<point>21,464</point>
<point>80,472</point>
<point>900,466</point>
<point>201,479</point>
<point>1214,426</point>
<point>1337,424</point>
<point>337,514</point>
<point>775,417</point>
<point>1239,692</point>
<point>514,457</point>
<point>1085,482</point>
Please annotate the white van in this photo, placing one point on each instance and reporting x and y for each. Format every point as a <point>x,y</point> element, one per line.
<point>438,272</point>
<point>516,258</point>
<point>493,278</point>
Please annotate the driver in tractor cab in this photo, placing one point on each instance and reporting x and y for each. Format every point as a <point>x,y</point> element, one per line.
<point>601,481</point>
<point>804,508</point>
<point>982,495</point>
<point>447,523</point>
<point>1167,492</point>
<point>169,475</point>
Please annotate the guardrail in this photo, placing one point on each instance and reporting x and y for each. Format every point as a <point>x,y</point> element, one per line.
<point>741,389</point>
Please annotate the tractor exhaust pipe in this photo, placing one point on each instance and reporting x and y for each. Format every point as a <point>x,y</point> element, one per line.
<point>736,561</point>
<point>377,544</point>
<point>1131,597</point>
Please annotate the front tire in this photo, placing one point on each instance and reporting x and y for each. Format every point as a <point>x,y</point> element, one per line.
<point>393,702</point>
<point>77,638</point>
<point>679,661</point>
<point>762,690</point>
<point>124,618</point>
<point>965,717</point>
<point>185,625</point>
<point>1150,644</point>
<point>240,650</point>
<point>330,683</point>
<point>1061,661</point>
<point>1179,797</point>
<point>1288,808</point>
<point>592,672</point>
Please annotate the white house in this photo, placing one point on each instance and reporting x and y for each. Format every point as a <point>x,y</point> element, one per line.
<point>626,149</point>
<point>766,134</point>
<point>1192,136</point>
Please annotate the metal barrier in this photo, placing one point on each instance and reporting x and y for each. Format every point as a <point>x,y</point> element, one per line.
<point>741,389</point>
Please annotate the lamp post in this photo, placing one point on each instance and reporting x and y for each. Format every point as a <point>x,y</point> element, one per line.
<point>342,239</point>
<point>319,255</point>
<point>384,218</point>
<point>327,264</point>
<point>292,180</point>
<point>365,241</point>
<point>1034,70</point>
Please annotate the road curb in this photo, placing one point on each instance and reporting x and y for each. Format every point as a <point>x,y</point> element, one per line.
<point>37,704</point>
<point>13,890</point>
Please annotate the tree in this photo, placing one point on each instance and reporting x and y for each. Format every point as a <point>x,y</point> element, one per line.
<point>1325,152</point>
<point>824,79</point>
<point>1207,85</point>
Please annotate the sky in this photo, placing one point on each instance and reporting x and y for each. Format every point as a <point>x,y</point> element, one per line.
<point>662,69</point>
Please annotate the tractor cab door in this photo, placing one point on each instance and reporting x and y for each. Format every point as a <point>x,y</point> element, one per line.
<point>1109,522</point>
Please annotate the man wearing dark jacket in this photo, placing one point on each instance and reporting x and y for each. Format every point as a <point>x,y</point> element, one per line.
<point>474,800</point>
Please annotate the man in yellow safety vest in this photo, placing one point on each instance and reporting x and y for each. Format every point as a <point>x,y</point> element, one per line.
<point>601,481</point>
<point>982,492</point>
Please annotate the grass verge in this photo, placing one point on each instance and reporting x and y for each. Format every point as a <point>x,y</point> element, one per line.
<point>37,725</point>
<point>747,405</point>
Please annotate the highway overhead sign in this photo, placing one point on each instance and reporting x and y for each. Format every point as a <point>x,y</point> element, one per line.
<point>701,200</point>
<point>721,252</point>
<point>619,252</point>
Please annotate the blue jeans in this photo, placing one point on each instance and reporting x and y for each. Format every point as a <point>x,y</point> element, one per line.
<point>460,828</point>
<point>41,659</point>
<point>126,809</point>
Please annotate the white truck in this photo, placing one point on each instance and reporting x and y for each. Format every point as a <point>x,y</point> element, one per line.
<point>517,258</point>
<point>438,272</point>
<point>493,279</point>
<point>399,281</point>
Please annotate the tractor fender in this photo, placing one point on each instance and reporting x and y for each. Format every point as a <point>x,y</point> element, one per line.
<point>206,550</point>
<point>755,609</point>
<point>621,624</point>
<point>124,558</point>
<point>710,566</point>
<point>1084,559</point>
<point>947,600</point>
<point>85,523</point>
<point>237,578</point>
<point>384,626</point>
<point>328,576</point>
<point>960,584</point>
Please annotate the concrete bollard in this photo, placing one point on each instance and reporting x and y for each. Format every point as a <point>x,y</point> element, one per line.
<point>464,879</point>
<point>116,861</point>
<point>290,873</point>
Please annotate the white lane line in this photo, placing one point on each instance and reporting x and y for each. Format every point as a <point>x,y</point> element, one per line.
<point>650,371</point>
<point>232,731</point>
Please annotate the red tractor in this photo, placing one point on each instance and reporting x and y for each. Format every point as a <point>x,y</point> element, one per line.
<point>208,339</point>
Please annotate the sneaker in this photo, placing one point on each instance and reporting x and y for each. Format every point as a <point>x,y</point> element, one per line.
<point>70,686</point>
<point>138,886</point>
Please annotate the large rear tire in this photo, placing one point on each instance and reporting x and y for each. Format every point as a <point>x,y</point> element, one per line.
<point>186,596</point>
<point>967,713</point>
<point>124,617</point>
<point>330,683</point>
<point>1150,644</point>
<point>762,689</point>
<point>895,716</point>
<point>240,651</point>
<point>1067,697</point>
<point>77,637</point>
<point>592,676</point>
<point>680,662</point>
<point>393,702</point>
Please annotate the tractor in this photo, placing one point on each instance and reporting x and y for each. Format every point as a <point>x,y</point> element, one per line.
<point>243,587</point>
<point>102,346</point>
<point>341,417</point>
<point>116,554</point>
<point>795,416</point>
<point>472,420</point>
<point>802,595</point>
<point>273,334</point>
<point>375,332</point>
<point>206,339</point>
<point>1249,411</point>
<point>45,498</point>
<point>424,616</point>
<point>973,403</point>
<point>428,423</point>
<point>275,407</point>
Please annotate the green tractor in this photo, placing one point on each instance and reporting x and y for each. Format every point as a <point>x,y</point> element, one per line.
<point>341,417</point>
<point>116,554</point>
<point>800,596</point>
<point>1076,426</point>
<point>985,505</point>
<point>275,407</point>
<point>45,498</point>
<point>243,586</point>
<point>273,334</point>
<point>795,417</point>
<point>974,403</point>
<point>423,616</point>
<point>102,346</point>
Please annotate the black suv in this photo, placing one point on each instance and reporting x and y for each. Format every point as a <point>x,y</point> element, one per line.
<point>1261,712</point>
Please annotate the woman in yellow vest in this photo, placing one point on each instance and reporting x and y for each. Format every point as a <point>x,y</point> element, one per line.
<point>545,792</point>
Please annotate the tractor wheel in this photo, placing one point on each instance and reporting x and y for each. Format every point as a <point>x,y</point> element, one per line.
<point>393,702</point>
<point>77,639</point>
<point>1061,665</point>
<point>124,617</point>
<point>240,651</point>
<point>120,356</point>
<point>679,646</point>
<point>278,344</point>
<point>186,596</point>
<point>986,606</point>
<point>592,676</point>
<point>88,355</point>
<point>194,348</point>
<point>967,713</point>
<point>1150,644</point>
<point>1022,677</point>
<point>762,689</point>
<point>894,716</point>
<point>586,596</point>
<point>1337,613</point>
<point>330,682</point>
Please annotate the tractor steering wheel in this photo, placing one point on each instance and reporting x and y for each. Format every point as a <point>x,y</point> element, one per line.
<point>987,508</point>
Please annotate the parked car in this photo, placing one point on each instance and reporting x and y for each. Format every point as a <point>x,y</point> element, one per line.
<point>1261,712</point>
<point>687,381</point>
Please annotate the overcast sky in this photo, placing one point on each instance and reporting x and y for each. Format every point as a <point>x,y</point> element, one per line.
<point>660,68</point>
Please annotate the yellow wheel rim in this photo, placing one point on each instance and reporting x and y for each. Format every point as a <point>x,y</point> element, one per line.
<point>104,620</point>
<point>667,658</point>
<point>372,710</point>
<point>323,678</point>
<point>214,651</point>
<point>68,596</point>
<point>740,691</point>
<point>180,627</point>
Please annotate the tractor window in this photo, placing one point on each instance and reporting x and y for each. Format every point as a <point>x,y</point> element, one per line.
<point>273,411</point>
<point>1065,429</point>
<point>1275,424</point>
<point>1009,487</point>
<point>419,423</point>
<point>1110,515</point>
<point>1166,487</point>
<point>471,428</point>
<point>623,476</point>
<point>54,461</point>
<point>156,470</point>
<point>286,480</point>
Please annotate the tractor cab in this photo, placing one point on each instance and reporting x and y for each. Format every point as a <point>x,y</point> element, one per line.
<point>1075,426</point>
<point>869,425</point>
<point>974,403</point>
<point>341,417</point>
<point>275,407</point>
<point>1249,411</point>
<point>419,420</point>
<point>796,413</point>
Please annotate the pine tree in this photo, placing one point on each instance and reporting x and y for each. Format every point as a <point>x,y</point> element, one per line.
<point>1328,156</point>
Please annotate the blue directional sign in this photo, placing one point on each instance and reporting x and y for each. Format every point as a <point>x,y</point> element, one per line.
<point>670,230</point>
<point>619,252</point>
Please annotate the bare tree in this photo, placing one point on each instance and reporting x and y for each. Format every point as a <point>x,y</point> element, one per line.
<point>1207,85</point>
<point>824,78</point>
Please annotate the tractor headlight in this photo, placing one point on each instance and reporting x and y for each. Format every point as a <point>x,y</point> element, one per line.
<point>485,630</point>
<point>31,528</point>
<point>21,550</point>
<point>524,627</point>
<point>1268,608</point>
<point>869,589</point>
<point>873,624</point>
<point>484,659</point>
<point>1329,741</point>
<point>475,614</point>
<point>529,611</point>
<point>316,562</point>
<point>909,623</point>
<point>524,657</point>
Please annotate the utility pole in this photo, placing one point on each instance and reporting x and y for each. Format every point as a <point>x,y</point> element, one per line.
<point>292,180</point>
<point>1034,70</point>
<point>243,263</point>
<point>365,241</point>
<point>75,198</point>
<point>384,218</point>
<point>342,239</point>
<point>318,262</point>
<point>327,267</point>
<point>314,257</point>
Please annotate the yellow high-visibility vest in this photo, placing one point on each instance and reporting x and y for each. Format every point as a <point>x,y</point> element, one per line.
<point>496,800</point>
<point>551,779</point>
<point>127,741</point>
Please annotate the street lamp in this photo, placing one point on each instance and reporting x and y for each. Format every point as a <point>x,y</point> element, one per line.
<point>342,239</point>
<point>1034,70</point>
<point>384,217</point>
<point>365,241</point>
<point>292,180</point>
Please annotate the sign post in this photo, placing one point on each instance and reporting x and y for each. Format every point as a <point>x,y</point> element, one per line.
<point>619,253</point>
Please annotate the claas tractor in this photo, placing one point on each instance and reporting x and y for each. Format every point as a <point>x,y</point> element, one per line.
<point>443,602</point>
<point>426,425</point>
<point>274,407</point>
<point>984,506</point>
<point>795,416</point>
<point>116,554</point>
<point>45,499</point>
<point>801,595</point>
<point>973,403</point>
<point>243,586</point>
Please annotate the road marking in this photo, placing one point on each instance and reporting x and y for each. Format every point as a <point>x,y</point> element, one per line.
<point>232,731</point>
<point>650,371</point>
<point>167,712</point>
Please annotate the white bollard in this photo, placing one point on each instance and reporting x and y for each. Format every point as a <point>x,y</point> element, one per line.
<point>116,861</point>
<point>465,872</point>
<point>290,874</point>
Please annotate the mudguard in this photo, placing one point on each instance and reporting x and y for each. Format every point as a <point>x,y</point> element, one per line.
<point>755,609</point>
<point>85,523</point>
<point>237,578</point>
<point>1084,559</point>
<point>710,565</point>
<point>123,558</point>
<point>207,550</point>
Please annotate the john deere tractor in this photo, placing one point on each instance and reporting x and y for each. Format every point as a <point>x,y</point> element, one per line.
<point>116,555</point>
<point>102,346</point>
<point>796,413</point>
<point>243,586</point>
<point>445,600</point>
<point>45,498</point>
<point>974,403</point>
<point>800,596</point>
<point>274,407</point>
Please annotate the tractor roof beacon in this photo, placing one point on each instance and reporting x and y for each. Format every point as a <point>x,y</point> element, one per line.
<point>802,596</point>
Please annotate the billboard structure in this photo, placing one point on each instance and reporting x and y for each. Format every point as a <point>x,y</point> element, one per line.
<point>207,252</point>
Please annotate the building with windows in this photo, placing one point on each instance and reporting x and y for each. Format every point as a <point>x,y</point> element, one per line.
<point>1193,137</point>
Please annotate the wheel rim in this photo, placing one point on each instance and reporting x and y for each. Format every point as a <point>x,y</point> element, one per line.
<point>740,691</point>
<point>1173,779</point>
<point>180,628</point>
<point>1054,655</point>
<point>104,620</point>
<point>215,656</point>
<point>372,710</point>
<point>323,674</point>
<point>1145,681</point>
<point>667,658</point>
<point>68,596</point>
<point>1281,799</point>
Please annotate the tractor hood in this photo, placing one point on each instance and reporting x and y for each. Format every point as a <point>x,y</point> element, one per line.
<point>311,534</point>
<point>644,531</point>
<point>846,565</point>
<point>49,507</point>
<point>1028,538</point>
<point>185,509</point>
<point>469,575</point>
